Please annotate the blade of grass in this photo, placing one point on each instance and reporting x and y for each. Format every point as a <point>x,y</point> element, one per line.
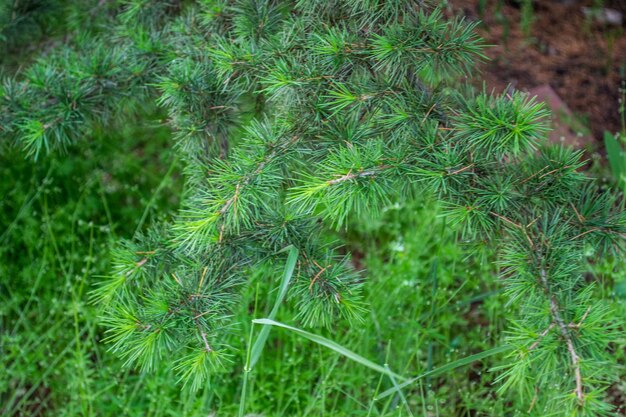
<point>320,340</point>
<point>394,382</point>
<point>615,155</point>
<point>246,372</point>
<point>400,393</point>
<point>447,367</point>
<point>259,343</point>
<point>433,311</point>
<point>253,354</point>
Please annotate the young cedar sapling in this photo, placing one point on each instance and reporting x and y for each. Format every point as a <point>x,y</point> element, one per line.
<point>293,117</point>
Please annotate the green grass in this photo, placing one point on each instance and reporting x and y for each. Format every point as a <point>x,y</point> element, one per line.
<point>431,303</point>
<point>58,220</point>
<point>428,306</point>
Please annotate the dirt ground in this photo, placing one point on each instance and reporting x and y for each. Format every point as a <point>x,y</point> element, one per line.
<point>582,59</point>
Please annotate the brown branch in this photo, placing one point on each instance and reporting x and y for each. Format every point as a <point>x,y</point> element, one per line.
<point>534,175</point>
<point>519,226</point>
<point>564,330</point>
<point>595,229</point>
<point>428,113</point>
<point>534,400</point>
<point>577,325</point>
<point>458,171</point>
<point>231,201</point>
<point>555,170</point>
<point>533,222</point>
<point>317,275</point>
<point>541,336</point>
<point>584,317</point>
<point>177,279</point>
<point>195,318</point>
<point>350,176</point>
<point>203,335</point>
<point>204,271</point>
<point>248,178</point>
<point>581,218</point>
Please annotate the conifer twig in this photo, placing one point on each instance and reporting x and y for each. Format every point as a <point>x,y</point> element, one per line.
<point>564,330</point>
<point>541,336</point>
<point>321,271</point>
<point>458,171</point>
<point>207,347</point>
<point>361,174</point>
<point>248,178</point>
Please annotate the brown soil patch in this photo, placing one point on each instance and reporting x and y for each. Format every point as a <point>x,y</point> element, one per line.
<point>583,61</point>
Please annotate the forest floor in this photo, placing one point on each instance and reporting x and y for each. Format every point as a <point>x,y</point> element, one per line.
<point>556,44</point>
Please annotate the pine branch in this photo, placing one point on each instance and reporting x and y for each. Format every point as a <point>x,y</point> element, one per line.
<point>541,336</point>
<point>203,335</point>
<point>361,174</point>
<point>555,310</point>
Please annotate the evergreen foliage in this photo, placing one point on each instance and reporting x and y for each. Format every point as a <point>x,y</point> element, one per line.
<point>295,117</point>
